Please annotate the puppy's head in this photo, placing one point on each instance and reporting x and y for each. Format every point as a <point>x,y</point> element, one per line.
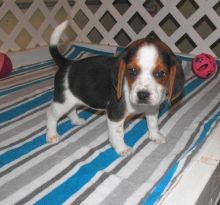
<point>152,73</point>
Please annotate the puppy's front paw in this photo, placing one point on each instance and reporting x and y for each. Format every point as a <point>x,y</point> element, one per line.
<point>77,120</point>
<point>157,138</point>
<point>53,139</point>
<point>127,152</point>
<point>124,151</point>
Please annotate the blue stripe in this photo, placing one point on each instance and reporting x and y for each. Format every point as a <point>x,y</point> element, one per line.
<point>74,183</point>
<point>25,107</point>
<point>158,190</point>
<point>26,85</point>
<point>15,153</point>
<point>207,128</point>
<point>37,142</point>
<point>163,183</point>
<point>87,171</point>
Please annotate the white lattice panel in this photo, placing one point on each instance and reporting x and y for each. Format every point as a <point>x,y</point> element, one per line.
<point>37,36</point>
<point>189,26</point>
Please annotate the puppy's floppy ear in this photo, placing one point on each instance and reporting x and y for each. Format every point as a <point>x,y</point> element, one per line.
<point>176,80</point>
<point>120,78</point>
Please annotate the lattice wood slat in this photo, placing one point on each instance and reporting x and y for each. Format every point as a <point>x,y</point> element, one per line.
<point>167,21</point>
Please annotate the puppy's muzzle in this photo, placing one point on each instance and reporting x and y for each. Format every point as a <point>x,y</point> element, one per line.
<point>143,97</point>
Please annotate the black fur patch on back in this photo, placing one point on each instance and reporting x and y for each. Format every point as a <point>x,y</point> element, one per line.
<point>90,80</point>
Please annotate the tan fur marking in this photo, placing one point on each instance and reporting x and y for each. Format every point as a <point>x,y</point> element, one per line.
<point>172,78</point>
<point>122,67</point>
<point>130,79</point>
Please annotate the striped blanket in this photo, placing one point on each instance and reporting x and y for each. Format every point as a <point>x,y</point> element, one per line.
<point>83,168</point>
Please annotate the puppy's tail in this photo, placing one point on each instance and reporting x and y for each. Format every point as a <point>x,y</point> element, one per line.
<point>54,39</point>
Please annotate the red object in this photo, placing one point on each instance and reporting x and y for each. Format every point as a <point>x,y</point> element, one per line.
<point>5,65</point>
<point>204,65</point>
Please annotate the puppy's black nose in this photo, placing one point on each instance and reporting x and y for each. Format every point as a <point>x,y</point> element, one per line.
<point>143,95</point>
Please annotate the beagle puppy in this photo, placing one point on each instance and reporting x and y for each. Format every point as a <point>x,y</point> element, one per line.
<point>136,81</point>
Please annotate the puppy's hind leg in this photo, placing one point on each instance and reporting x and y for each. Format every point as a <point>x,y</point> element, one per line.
<point>54,113</point>
<point>73,116</point>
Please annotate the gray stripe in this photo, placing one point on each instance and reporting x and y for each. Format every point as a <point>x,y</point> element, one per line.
<point>61,174</point>
<point>124,162</point>
<point>20,128</point>
<point>28,78</point>
<point>14,166</point>
<point>22,68</point>
<point>194,152</point>
<point>193,135</point>
<point>24,116</point>
<point>188,68</point>
<point>105,175</point>
<point>23,93</point>
<point>199,126</point>
<point>183,102</point>
<point>201,144</point>
<point>189,79</point>
<point>49,162</point>
<point>145,171</point>
<point>31,134</point>
<point>53,160</point>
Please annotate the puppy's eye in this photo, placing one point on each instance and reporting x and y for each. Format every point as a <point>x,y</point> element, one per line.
<point>133,72</point>
<point>160,74</point>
